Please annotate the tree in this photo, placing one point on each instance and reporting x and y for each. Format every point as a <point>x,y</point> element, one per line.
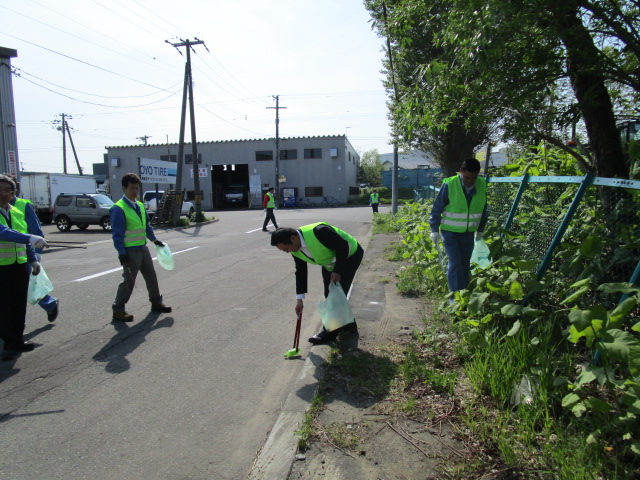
<point>498,64</point>
<point>370,171</point>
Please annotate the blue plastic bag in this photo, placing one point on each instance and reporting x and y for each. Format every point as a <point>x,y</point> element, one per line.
<point>39,287</point>
<point>481,255</point>
<point>335,310</point>
<point>165,257</point>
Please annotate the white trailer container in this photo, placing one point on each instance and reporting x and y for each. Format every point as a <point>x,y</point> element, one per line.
<point>42,189</point>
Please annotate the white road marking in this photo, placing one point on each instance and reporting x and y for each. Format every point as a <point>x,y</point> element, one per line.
<point>106,272</point>
<point>255,230</point>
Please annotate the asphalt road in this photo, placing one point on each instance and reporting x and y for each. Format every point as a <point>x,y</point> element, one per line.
<point>188,395</point>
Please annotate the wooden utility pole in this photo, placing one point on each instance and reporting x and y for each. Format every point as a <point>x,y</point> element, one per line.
<point>188,90</point>
<point>277,108</point>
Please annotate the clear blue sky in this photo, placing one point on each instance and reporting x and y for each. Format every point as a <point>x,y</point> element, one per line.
<point>107,65</point>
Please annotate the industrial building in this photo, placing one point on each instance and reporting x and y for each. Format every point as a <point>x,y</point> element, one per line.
<point>313,168</point>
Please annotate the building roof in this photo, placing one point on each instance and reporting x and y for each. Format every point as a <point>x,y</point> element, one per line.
<point>230,141</point>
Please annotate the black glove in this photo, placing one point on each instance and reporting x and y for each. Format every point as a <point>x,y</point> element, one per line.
<point>159,243</point>
<point>123,259</point>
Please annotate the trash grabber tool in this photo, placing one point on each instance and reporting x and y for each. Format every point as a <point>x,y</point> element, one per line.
<point>296,340</point>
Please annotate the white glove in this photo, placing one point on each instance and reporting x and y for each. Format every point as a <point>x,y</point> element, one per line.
<point>35,268</point>
<point>37,242</point>
<point>479,235</point>
<point>435,237</point>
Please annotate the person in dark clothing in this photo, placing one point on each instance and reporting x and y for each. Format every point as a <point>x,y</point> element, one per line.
<point>16,254</point>
<point>338,253</point>
<point>269,204</point>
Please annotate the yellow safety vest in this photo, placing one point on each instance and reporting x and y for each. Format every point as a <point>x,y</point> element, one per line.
<point>135,233</point>
<point>321,254</point>
<point>375,197</point>
<point>458,215</point>
<point>10,252</point>
<point>271,203</point>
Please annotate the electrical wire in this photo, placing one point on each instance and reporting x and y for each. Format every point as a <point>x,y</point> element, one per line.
<point>85,63</point>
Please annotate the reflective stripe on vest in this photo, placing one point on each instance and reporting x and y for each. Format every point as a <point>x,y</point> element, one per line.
<point>271,203</point>
<point>135,234</point>
<point>321,254</point>
<point>458,215</point>
<point>11,252</point>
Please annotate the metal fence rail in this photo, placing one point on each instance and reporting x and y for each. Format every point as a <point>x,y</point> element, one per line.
<point>549,210</point>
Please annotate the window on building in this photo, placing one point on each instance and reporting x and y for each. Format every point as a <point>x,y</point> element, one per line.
<point>169,158</point>
<point>188,158</point>
<point>313,192</point>
<point>288,154</point>
<point>264,155</point>
<point>354,191</point>
<point>310,153</point>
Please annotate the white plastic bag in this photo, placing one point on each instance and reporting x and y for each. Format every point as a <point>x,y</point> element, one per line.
<point>39,287</point>
<point>335,310</point>
<point>481,255</point>
<point>165,257</point>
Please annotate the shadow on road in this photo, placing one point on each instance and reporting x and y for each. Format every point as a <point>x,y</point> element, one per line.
<point>127,339</point>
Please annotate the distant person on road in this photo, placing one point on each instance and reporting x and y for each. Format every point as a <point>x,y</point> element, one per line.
<point>16,256</point>
<point>338,253</point>
<point>375,200</point>
<point>459,213</point>
<point>130,228</point>
<point>48,303</point>
<point>269,204</point>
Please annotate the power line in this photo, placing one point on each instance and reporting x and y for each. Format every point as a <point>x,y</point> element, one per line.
<point>83,62</point>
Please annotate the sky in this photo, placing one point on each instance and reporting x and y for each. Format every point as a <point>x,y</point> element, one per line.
<point>110,66</point>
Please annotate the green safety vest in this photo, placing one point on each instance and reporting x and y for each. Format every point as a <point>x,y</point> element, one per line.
<point>271,203</point>
<point>10,252</point>
<point>375,197</point>
<point>321,254</point>
<point>458,215</point>
<point>135,233</point>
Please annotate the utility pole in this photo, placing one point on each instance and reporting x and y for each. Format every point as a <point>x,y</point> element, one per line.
<point>394,173</point>
<point>187,90</point>
<point>64,128</point>
<point>277,108</point>
<point>144,139</point>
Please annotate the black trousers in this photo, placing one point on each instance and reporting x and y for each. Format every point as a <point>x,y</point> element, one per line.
<point>374,207</point>
<point>270,216</point>
<point>14,282</point>
<point>346,278</point>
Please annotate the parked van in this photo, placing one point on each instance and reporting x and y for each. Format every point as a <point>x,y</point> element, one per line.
<point>82,210</point>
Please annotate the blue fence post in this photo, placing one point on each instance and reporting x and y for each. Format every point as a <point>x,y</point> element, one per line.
<point>516,202</point>
<point>635,276</point>
<point>557,238</point>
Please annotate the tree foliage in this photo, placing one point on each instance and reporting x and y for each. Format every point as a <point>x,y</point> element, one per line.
<point>530,70</point>
<point>370,168</point>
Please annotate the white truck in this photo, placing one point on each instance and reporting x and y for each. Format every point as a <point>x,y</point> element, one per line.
<point>42,188</point>
<point>150,200</point>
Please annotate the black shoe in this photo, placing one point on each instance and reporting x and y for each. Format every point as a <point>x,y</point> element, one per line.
<point>323,337</point>
<point>265,230</point>
<point>53,314</point>
<point>21,347</point>
<point>160,307</point>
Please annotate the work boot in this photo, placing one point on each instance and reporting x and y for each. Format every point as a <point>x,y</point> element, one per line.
<point>160,307</point>
<point>51,316</point>
<point>122,317</point>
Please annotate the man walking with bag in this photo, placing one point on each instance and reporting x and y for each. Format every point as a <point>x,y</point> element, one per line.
<point>460,212</point>
<point>130,229</point>
<point>338,253</point>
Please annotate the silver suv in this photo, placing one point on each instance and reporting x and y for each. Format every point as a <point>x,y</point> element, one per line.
<point>82,210</point>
